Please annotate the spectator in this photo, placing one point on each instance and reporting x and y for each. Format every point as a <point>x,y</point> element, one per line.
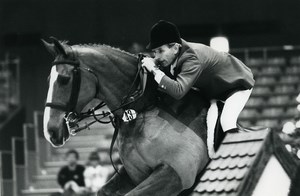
<point>70,177</point>
<point>95,175</point>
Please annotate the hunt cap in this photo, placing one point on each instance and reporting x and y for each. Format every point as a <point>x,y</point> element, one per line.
<point>163,32</point>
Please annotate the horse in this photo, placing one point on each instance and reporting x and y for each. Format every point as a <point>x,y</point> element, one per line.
<point>162,150</point>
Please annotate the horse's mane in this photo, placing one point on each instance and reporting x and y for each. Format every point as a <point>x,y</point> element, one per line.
<point>100,47</point>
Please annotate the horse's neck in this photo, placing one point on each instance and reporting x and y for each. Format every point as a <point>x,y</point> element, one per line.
<point>115,70</point>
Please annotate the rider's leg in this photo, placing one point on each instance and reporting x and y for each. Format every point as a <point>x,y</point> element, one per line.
<point>211,120</point>
<point>232,109</point>
<point>164,181</point>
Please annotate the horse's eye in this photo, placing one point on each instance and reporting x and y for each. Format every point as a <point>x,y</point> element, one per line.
<point>63,80</point>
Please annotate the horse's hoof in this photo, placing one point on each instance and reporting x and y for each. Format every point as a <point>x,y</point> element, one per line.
<point>234,130</point>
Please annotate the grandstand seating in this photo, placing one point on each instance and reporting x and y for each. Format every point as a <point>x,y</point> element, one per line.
<point>43,181</point>
<point>31,166</point>
<point>273,98</point>
<point>9,85</point>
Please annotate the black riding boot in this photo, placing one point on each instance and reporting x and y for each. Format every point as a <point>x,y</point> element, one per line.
<point>233,130</point>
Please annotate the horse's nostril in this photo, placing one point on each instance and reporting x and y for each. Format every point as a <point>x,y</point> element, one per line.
<point>53,140</point>
<point>53,136</point>
<point>51,133</point>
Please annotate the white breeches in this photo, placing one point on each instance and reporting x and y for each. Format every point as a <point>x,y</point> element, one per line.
<point>232,109</point>
<point>230,113</point>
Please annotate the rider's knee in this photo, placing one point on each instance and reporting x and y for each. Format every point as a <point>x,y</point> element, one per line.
<point>228,122</point>
<point>212,113</point>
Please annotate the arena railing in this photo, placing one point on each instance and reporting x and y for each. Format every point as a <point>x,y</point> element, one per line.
<point>264,53</point>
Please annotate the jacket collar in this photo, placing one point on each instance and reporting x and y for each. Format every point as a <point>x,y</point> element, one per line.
<point>184,47</point>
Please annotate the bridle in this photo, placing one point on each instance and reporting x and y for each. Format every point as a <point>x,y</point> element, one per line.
<point>72,118</point>
<point>71,104</point>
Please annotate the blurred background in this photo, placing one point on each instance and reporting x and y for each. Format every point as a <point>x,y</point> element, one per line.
<point>262,33</point>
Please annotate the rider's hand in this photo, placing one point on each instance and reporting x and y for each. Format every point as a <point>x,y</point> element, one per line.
<point>149,63</point>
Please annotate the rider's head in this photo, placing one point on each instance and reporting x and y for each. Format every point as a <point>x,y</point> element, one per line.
<point>165,42</point>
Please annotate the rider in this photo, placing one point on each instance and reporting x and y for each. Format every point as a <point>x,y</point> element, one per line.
<point>179,65</point>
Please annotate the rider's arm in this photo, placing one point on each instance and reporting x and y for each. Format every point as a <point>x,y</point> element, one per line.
<point>188,75</point>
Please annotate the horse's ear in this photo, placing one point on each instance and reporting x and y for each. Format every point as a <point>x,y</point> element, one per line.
<point>49,47</point>
<point>59,46</point>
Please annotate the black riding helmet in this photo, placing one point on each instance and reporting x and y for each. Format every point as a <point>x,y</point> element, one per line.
<point>163,32</point>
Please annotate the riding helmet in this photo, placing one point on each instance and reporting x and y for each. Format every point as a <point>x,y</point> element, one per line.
<point>163,32</point>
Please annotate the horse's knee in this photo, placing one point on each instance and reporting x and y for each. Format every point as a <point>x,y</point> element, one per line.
<point>172,178</point>
<point>118,185</point>
<point>163,181</point>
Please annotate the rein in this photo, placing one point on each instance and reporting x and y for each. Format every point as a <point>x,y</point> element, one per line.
<point>72,118</point>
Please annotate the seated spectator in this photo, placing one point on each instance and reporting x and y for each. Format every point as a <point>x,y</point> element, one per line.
<point>70,177</point>
<point>95,175</point>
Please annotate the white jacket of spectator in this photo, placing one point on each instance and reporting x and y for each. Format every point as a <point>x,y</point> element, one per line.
<point>95,177</point>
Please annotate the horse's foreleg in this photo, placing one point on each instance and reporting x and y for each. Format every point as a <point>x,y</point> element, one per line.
<point>163,181</point>
<point>118,185</point>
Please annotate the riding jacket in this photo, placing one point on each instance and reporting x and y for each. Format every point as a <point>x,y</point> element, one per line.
<point>216,75</point>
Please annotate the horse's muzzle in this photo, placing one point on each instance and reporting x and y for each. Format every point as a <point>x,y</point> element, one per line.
<point>58,135</point>
<point>55,139</point>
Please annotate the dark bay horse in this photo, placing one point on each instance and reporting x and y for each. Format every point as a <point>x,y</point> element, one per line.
<point>162,150</point>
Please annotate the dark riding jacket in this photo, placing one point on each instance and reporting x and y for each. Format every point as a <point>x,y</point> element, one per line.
<point>215,74</point>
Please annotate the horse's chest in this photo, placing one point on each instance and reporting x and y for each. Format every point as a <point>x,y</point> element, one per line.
<point>136,166</point>
<point>135,145</point>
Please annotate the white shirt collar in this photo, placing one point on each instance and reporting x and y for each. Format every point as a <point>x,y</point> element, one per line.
<point>172,67</point>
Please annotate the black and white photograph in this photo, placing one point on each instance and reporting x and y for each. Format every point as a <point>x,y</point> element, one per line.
<point>149,98</point>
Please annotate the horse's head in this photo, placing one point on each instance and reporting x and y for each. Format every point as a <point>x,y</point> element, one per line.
<point>71,87</point>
